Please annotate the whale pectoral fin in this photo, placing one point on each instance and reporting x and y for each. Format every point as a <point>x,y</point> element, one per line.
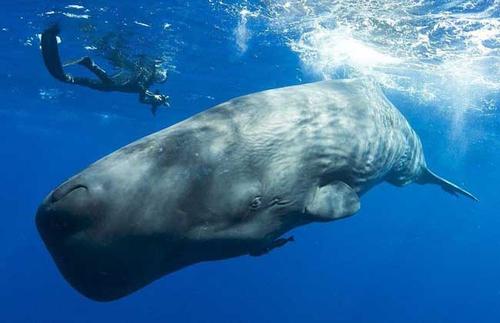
<point>333,201</point>
<point>273,245</point>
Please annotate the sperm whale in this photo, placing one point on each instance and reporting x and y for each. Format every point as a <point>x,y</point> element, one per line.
<point>228,182</point>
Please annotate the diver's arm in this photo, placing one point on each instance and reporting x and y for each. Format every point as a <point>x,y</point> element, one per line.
<point>155,99</point>
<point>149,97</point>
<point>143,97</point>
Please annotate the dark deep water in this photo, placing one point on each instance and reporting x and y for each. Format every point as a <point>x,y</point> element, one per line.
<point>414,254</point>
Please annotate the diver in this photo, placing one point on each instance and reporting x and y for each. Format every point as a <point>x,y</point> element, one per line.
<point>137,80</point>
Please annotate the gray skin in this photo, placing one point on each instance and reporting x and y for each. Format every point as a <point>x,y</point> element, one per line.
<point>227,182</point>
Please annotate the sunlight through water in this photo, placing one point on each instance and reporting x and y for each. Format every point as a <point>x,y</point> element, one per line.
<point>442,54</point>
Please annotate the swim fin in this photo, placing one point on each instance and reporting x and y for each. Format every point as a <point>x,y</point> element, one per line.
<point>50,53</point>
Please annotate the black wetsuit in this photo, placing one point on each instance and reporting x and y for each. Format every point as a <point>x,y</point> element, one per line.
<point>124,81</point>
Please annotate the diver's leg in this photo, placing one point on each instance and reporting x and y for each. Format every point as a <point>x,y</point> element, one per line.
<point>75,62</point>
<point>90,83</point>
<point>94,68</point>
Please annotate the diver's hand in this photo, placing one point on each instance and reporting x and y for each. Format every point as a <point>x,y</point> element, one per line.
<point>165,101</point>
<point>162,99</point>
<point>159,99</point>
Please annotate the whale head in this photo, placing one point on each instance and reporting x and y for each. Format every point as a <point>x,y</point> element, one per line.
<point>112,229</point>
<point>156,206</point>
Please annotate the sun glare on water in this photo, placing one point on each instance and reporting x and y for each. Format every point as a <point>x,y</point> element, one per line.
<point>446,55</point>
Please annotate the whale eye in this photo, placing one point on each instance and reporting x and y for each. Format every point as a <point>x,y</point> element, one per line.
<point>256,203</point>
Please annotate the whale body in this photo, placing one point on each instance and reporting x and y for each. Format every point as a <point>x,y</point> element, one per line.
<point>227,182</point>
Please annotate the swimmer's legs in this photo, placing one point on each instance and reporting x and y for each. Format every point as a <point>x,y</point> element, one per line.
<point>91,83</point>
<point>96,69</point>
<point>88,63</point>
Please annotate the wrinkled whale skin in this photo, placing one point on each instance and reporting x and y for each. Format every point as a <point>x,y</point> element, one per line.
<point>228,182</point>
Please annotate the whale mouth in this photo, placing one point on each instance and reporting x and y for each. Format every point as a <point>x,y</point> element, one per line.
<point>101,261</point>
<point>67,221</point>
<point>64,212</point>
<point>63,191</point>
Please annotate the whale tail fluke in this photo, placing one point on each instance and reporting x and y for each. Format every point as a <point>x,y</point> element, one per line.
<point>428,177</point>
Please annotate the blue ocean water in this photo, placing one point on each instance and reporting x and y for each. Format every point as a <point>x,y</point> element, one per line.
<point>412,254</point>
